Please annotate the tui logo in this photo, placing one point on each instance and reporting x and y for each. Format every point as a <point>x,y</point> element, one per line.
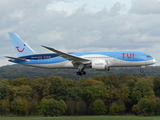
<point>19,49</point>
<point>127,55</point>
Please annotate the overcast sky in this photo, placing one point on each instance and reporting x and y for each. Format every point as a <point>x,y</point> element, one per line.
<point>81,25</point>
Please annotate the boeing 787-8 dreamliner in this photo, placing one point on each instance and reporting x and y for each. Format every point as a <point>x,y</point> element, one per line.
<point>101,61</point>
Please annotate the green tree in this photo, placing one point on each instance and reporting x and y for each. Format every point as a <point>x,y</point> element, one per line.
<point>90,82</point>
<point>3,88</point>
<point>82,107</point>
<point>110,95</point>
<point>23,91</point>
<point>20,106</point>
<point>105,79</point>
<point>56,108</point>
<point>126,78</point>
<point>122,92</point>
<point>59,87</point>
<point>98,107</point>
<point>74,93</point>
<point>143,106</point>
<point>143,88</point>
<point>71,107</point>
<point>113,79</point>
<point>44,107</point>
<point>117,108</point>
<point>157,106</point>
<point>62,107</point>
<point>4,107</point>
<point>19,81</point>
<point>40,88</point>
<point>52,107</point>
<point>93,90</point>
<point>153,106</point>
<point>33,109</point>
<point>135,109</point>
<point>147,106</point>
<point>156,83</point>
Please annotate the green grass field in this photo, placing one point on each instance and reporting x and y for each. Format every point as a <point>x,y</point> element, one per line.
<point>83,118</point>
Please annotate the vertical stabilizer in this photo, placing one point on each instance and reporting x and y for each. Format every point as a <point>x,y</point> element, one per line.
<point>22,49</point>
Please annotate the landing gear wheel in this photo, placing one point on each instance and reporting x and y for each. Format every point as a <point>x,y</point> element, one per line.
<point>84,73</point>
<point>81,73</point>
<point>142,71</point>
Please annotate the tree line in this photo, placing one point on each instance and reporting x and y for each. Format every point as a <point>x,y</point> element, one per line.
<point>99,95</point>
<point>20,71</point>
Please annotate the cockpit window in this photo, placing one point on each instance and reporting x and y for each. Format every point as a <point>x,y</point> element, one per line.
<point>149,56</point>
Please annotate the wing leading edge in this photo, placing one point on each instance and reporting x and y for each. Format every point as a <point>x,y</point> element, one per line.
<point>69,57</point>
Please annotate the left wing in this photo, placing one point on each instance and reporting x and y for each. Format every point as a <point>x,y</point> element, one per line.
<point>67,56</point>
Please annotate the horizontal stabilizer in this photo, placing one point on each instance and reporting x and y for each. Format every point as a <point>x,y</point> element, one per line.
<point>16,58</point>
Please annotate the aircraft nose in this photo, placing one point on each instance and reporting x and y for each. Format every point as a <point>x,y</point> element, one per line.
<point>154,61</point>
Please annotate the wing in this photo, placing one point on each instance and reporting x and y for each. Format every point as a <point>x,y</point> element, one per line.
<point>70,57</point>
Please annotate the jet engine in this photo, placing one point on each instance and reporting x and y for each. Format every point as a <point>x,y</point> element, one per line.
<point>100,65</point>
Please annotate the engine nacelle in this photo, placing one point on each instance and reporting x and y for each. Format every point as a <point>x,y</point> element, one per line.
<point>100,65</point>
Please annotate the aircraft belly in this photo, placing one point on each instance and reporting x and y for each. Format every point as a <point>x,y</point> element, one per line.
<point>131,63</point>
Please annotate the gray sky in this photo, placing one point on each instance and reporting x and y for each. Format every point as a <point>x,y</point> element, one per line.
<point>81,25</point>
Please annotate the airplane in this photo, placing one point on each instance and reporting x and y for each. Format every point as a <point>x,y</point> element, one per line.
<point>100,61</point>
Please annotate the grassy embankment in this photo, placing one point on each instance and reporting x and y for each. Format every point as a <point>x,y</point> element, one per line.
<point>83,118</point>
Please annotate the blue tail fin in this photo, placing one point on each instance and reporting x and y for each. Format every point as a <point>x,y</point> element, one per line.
<point>22,49</point>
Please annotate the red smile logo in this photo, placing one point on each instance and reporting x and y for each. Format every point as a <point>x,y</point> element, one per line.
<point>19,49</point>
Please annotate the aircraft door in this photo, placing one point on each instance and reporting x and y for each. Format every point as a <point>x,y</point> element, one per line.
<point>139,57</point>
<point>115,60</point>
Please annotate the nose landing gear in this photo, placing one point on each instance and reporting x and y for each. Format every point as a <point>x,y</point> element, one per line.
<point>142,69</point>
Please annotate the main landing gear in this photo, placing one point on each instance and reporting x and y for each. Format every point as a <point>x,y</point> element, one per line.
<point>80,71</point>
